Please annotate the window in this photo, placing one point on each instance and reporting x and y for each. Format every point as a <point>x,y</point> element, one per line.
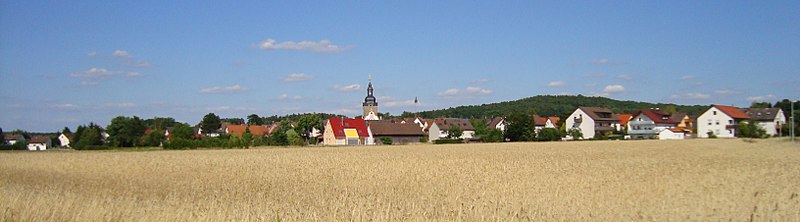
<point>717,132</point>
<point>717,122</point>
<point>730,121</point>
<point>715,113</point>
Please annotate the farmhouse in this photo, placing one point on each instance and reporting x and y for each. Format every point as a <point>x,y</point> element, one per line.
<point>438,128</point>
<point>13,138</point>
<point>399,133</point>
<point>39,143</point>
<point>64,139</point>
<point>345,131</point>
<point>721,121</point>
<point>592,120</point>
<point>497,123</point>
<point>769,119</point>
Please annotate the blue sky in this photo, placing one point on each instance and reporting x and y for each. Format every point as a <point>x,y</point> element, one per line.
<point>65,63</point>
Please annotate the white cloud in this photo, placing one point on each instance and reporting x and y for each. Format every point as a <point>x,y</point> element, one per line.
<point>138,64</point>
<point>347,88</point>
<point>602,61</point>
<point>297,77</point>
<point>726,92</point>
<point>91,54</point>
<point>613,89</point>
<point>625,77</point>
<point>767,98</point>
<point>286,96</point>
<point>133,74</point>
<point>691,95</point>
<point>321,46</point>
<point>121,54</point>
<point>223,89</point>
<point>466,92</point>
<point>557,83</point>
<point>687,77</point>
<point>89,83</point>
<point>404,103</point>
<point>93,73</point>
<point>118,106</point>
<point>66,106</point>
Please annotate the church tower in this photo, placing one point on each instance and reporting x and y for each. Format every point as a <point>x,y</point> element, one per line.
<point>370,104</point>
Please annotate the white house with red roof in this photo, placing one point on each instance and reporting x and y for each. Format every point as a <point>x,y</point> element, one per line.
<point>648,123</point>
<point>345,131</point>
<point>722,121</point>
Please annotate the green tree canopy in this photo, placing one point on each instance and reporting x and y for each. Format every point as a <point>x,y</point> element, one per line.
<point>181,131</point>
<point>125,131</point>
<point>254,120</point>
<point>455,132</point>
<point>211,123</point>
<point>306,123</point>
<point>519,127</point>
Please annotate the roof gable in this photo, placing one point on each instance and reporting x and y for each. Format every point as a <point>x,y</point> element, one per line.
<point>598,113</point>
<point>339,125</point>
<point>731,111</point>
<point>394,129</point>
<point>657,116</point>
<point>762,114</point>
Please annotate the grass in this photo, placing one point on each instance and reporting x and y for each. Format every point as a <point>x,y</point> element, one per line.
<point>691,180</point>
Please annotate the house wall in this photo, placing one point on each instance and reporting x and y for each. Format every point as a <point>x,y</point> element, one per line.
<point>586,127</point>
<point>64,140</point>
<point>328,138</point>
<point>714,120</point>
<point>37,146</point>
<point>642,127</point>
<point>772,126</point>
<point>434,133</point>
<point>669,135</point>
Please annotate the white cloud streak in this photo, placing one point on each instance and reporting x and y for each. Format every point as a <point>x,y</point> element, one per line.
<point>322,46</point>
<point>347,88</point>
<point>223,89</point>
<point>691,96</point>
<point>297,77</point>
<point>613,89</point>
<point>766,98</point>
<point>557,83</point>
<point>466,92</point>
<point>121,54</point>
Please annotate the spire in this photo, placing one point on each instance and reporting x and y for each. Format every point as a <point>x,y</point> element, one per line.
<point>370,99</point>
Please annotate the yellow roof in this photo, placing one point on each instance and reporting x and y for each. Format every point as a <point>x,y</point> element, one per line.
<point>351,133</point>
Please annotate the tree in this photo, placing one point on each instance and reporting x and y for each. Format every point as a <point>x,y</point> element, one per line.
<point>154,138</point>
<point>211,123</point>
<point>519,127</point>
<point>294,138</point>
<point>455,132</point>
<point>125,131</point>
<point>549,134</point>
<point>90,137</point>
<point>159,123</point>
<point>306,123</point>
<point>492,135</point>
<point>278,137</point>
<point>254,120</point>
<point>181,131</point>
<point>761,105</point>
<point>66,131</point>
<point>751,130</point>
<point>2,140</point>
<point>671,109</point>
<point>247,137</point>
<point>234,121</point>
<point>575,134</point>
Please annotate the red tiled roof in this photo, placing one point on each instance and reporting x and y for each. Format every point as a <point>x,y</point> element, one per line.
<point>658,117</point>
<point>624,118</point>
<point>238,130</point>
<point>731,111</point>
<point>339,124</point>
<point>539,121</point>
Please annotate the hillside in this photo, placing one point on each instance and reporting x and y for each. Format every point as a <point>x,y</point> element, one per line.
<point>547,105</point>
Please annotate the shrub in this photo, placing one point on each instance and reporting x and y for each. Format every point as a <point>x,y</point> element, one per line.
<point>549,134</point>
<point>448,141</point>
<point>386,140</point>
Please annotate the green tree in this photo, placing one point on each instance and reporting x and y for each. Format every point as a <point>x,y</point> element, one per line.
<point>159,123</point>
<point>455,132</point>
<point>519,127</point>
<point>154,138</point>
<point>254,120</point>
<point>182,131</point>
<point>576,134</point>
<point>492,136</point>
<point>234,121</point>
<point>385,140</point>
<point>90,138</point>
<point>294,138</point>
<point>549,134</point>
<point>211,123</point>
<point>66,131</point>
<point>247,137</point>
<point>670,108</point>
<point>2,141</point>
<point>125,131</point>
<point>278,137</point>
<point>761,105</point>
<point>751,130</point>
<point>306,123</point>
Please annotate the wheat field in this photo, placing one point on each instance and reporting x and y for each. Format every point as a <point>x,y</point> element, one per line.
<point>691,180</point>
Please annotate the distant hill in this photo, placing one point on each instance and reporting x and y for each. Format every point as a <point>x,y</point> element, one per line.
<point>548,105</point>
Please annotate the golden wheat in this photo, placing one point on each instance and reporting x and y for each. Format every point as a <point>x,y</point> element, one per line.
<point>692,180</point>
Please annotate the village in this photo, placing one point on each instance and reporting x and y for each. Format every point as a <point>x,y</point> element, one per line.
<point>585,123</point>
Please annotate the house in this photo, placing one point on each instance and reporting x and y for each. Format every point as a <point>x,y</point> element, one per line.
<point>671,134</point>
<point>438,128</point>
<point>591,121</point>
<point>684,122</point>
<point>721,121</point>
<point>239,130</point>
<point>648,123</point>
<point>345,131</point>
<point>540,123</point>
<point>64,139</point>
<point>399,133</point>
<point>39,143</point>
<point>769,119</point>
<point>13,138</point>
<point>416,120</point>
<point>623,121</point>
<point>497,123</point>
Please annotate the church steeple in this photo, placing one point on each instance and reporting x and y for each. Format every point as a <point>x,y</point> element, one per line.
<point>370,103</point>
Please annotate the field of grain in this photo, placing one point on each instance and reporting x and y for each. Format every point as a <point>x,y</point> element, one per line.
<point>692,180</point>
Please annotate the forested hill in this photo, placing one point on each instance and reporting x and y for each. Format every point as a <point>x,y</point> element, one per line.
<point>555,106</point>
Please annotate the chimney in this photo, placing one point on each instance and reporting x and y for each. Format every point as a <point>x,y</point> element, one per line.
<point>342,120</point>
